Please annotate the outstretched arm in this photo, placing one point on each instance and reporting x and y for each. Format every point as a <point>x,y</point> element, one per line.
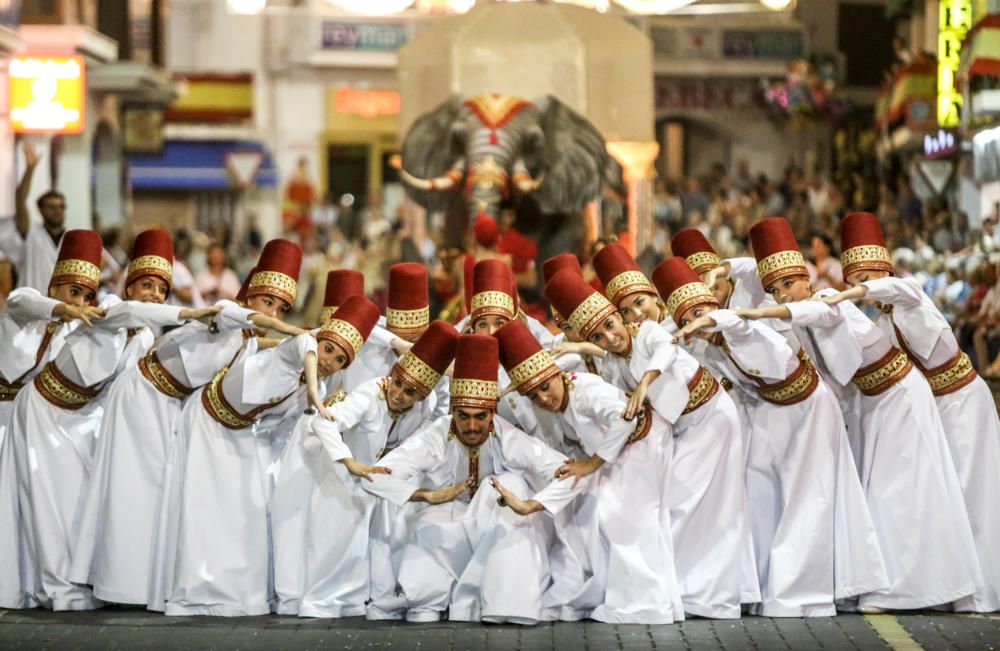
<point>22,219</point>
<point>852,294</point>
<point>265,322</point>
<point>768,312</point>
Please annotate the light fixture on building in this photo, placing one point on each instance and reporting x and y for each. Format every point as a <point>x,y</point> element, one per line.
<point>246,6</point>
<point>653,6</point>
<point>372,7</point>
<point>776,5</point>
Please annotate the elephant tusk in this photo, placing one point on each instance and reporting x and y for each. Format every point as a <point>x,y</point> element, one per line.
<point>526,184</point>
<point>446,181</point>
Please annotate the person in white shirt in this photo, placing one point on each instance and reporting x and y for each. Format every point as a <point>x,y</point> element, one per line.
<point>968,411</point>
<point>55,419</point>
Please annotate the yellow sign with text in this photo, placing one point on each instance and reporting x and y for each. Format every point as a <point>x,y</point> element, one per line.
<point>47,94</point>
<point>954,21</point>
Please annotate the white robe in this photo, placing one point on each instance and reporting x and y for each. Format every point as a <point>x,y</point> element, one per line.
<point>40,254</point>
<point>320,516</point>
<point>125,489</point>
<point>614,557</point>
<point>707,493</point>
<point>53,447</point>
<point>970,421</point>
<point>813,536</point>
<point>23,326</point>
<point>913,492</point>
<point>217,525</point>
<point>479,560</point>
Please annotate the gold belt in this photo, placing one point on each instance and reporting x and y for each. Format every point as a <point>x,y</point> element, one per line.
<point>643,423</point>
<point>152,369</point>
<point>61,391</point>
<point>951,376</point>
<point>702,387</point>
<point>880,376</point>
<point>9,391</point>
<point>215,403</point>
<point>796,387</point>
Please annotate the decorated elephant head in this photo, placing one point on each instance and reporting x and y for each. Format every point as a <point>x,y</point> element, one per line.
<point>486,148</point>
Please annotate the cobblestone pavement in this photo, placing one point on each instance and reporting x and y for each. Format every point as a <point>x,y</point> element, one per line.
<point>135,629</point>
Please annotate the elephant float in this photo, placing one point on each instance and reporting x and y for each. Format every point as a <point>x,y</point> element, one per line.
<point>470,153</point>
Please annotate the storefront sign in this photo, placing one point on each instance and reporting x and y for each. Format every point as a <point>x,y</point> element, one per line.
<point>942,143</point>
<point>713,43</point>
<point>46,94</point>
<point>696,94</point>
<point>367,37</point>
<point>762,44</point>
<point>954,20</point>
<point>366,103</point>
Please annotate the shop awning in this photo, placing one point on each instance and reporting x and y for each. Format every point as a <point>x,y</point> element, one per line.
<point>912,98</point>
<point>981,49</point>
<point>203,165</point>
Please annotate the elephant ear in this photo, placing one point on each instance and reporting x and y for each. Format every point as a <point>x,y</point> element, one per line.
<point>432,145</point>
<point>573,158</point>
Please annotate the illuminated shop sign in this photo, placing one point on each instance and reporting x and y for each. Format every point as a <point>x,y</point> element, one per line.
<point>366,103</point>
<point>46,94</point>
<point>954,20</point>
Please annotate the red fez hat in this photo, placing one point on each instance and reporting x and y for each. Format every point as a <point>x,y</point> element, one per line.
<point>596,283</point>
<point>277,271</point>
<point>570,295</point>
<point>241,296</point>
<point>862,245</point>
<point>341,284</point>
<point>619,273</point>
<point>468,264</point>
<point>527,363</point>
<point>350,325</point>
<point>408,313</point>
<point>423,365</point>
<point>79,259</point>
<point>558,263</point>
<point>555,264</point>
<point>487,231</point>
<point>492,290</point>
<point>692,245</point>
<point>474,382</point>
<point>680,287</point>
<point>776,250</point>
<point>152,255</point>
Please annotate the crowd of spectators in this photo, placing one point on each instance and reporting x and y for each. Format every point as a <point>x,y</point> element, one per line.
<point>956,264</point>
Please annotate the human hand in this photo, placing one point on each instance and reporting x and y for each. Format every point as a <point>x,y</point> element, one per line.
<point>363,470</point>
<point>635,402</point>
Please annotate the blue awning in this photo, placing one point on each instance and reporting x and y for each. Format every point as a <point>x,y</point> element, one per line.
<point>197,165</point>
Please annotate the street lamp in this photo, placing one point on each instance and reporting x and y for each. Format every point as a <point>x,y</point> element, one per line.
<point>776,5</point>
<point>246,6</point>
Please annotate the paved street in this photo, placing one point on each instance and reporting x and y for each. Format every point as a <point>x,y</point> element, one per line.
<point>136,629</point>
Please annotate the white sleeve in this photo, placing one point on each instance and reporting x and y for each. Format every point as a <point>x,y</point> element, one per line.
<point>895,291</point>
<point>292,352</point>
<point>27,304</point>
<point>657,348</point>
<point>358,405</point>
<point>813,313</point>
<point>416,456</point>
<point>233,317</point>
<point>606,407</point>
<point>380,337</point>
<point>329,435</point>
<point>134,314</point>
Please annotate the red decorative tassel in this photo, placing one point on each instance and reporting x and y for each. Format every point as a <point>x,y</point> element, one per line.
<point>493,137</point>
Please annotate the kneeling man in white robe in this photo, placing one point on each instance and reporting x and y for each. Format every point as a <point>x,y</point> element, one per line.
<point>465,552</point>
